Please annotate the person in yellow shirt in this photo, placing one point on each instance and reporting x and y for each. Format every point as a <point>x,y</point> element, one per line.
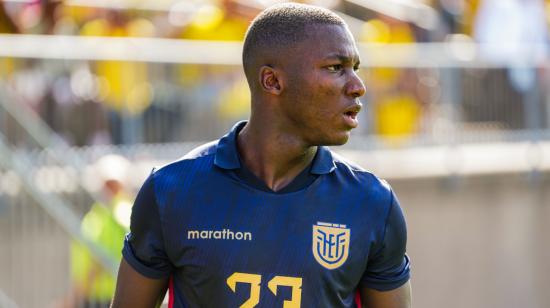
<point>124,88</point>
<point>105,225</point>
<point>396,107</point>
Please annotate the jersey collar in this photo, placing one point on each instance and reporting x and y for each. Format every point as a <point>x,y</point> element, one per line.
<point>227,156</point>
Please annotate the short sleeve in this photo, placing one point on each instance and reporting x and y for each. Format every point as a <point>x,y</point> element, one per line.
<point>388,266</point>
<point>144,244</point>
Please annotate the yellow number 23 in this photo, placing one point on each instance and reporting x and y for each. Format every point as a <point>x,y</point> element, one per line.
<point>254,280</point>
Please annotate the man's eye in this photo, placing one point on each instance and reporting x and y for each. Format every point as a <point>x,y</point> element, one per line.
<point>335,68</point>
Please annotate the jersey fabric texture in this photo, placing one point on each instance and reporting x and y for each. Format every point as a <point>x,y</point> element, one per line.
<point>226,242</point>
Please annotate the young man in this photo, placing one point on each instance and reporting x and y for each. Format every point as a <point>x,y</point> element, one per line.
<point>267,216</point>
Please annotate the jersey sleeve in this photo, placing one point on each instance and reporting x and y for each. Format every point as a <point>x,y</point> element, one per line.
<point>389,267</point>
<point>144,245</point>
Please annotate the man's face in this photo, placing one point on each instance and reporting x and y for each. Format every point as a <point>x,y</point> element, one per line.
<point>322,88</point>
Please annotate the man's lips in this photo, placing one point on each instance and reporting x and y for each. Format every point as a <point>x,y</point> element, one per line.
<point>353,108</point>
<point>350,115</point>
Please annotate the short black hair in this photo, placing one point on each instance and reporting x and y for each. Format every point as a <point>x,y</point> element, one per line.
<point>283,25</point>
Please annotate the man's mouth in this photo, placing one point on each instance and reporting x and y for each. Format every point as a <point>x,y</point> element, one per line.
<point>350,115</point>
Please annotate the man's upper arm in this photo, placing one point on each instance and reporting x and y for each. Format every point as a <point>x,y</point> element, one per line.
<point>137,291</point>
<point>396,298</point>
<point>385,282</point>
<point>145,267</point>
<point>144,246</point>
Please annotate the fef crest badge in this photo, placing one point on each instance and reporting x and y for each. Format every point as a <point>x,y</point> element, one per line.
<point>330,244</point>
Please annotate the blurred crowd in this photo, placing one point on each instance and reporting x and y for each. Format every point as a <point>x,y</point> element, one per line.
<point>124,102</point>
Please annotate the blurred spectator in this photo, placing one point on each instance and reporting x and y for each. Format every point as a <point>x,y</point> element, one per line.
<point>126,89</point>
<point>397,113</point>
<point>7,25</point>
<point>221,90</point>
<point>454,14</point>
<point>513,30</point>
<point>105,225</point>
<point>395,104</point>
<point>512,33</point>
<point>213,23</point>
<point>471,7</point>
<point>163,120</point>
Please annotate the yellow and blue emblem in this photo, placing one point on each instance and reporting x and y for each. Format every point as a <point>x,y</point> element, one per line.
<point>330,244</point>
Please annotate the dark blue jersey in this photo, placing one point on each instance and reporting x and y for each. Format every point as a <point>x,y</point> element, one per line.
<point>228,243</point>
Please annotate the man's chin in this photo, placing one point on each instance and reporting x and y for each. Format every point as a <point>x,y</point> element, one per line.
<point>340,139</point>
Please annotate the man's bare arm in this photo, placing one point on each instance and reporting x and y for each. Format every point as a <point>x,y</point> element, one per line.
<point>137,291</point>
<point>397,298</point>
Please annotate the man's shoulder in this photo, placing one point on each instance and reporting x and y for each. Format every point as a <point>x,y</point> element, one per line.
<point>196,160</point>
<point>201,152</point>
<point>360,177</point>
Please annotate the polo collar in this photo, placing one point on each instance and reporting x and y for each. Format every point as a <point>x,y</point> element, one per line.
<point>227,155</point>
<point>323,163</point>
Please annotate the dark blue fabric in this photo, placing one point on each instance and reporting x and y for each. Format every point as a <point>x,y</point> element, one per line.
<point>146,252</point>
<point>179,219</point>
<point>387,258</point>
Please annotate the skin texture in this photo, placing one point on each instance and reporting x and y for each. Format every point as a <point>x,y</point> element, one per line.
<point>300,96</point>
<point>137,291</point>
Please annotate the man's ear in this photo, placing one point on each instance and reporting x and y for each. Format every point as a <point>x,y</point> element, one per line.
<point>270,80</point>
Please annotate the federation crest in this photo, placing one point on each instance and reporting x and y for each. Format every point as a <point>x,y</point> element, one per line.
<point>330,244</point>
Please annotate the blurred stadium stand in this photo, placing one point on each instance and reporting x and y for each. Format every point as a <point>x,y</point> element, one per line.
<point>457,121</point>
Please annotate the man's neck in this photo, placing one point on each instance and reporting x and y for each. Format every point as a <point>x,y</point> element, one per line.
<point>273,156</point>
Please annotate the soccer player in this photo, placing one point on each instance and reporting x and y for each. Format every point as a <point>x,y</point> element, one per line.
<point>267,216</point>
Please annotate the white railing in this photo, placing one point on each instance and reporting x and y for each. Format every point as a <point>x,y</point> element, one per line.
<point>460,53</point>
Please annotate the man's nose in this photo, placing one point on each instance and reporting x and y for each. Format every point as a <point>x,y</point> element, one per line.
<point>355,86</point>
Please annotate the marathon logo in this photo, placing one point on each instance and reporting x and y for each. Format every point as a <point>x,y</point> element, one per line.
<point>225,234</point>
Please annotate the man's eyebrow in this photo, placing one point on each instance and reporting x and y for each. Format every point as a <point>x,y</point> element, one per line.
<point>344,59</point>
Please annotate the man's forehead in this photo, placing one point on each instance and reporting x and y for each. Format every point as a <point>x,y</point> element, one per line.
<point>332,42</point>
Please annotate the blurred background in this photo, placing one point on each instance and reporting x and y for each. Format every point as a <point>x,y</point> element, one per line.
<point>94,93</point>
